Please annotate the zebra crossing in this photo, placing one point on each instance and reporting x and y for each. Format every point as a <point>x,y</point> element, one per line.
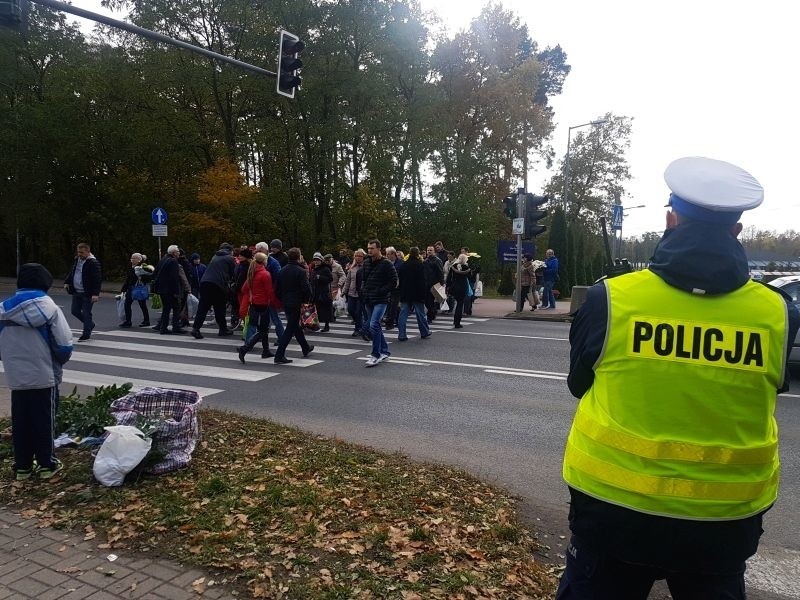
<point>127,355</point>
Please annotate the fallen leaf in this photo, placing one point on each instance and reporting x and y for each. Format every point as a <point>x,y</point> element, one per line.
<point>69,570</point>
<point>199,585</point>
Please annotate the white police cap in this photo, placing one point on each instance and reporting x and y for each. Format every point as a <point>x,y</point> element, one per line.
<point>711,190</point>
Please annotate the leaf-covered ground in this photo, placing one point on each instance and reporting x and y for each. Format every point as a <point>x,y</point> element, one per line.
<point>286,514</point>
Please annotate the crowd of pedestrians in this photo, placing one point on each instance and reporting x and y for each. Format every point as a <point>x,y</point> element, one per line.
<point>379,289</point>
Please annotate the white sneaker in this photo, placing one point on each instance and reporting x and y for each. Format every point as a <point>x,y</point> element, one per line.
<point>372,361</point>
<point>383,357</point>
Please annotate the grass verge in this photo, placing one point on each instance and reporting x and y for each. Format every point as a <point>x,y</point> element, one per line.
<point>282,513</point>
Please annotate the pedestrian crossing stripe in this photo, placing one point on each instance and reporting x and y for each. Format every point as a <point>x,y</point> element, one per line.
<point>96,380</point>
<point>228,343</point>
<point>182,351</point>
<point>177,368</point>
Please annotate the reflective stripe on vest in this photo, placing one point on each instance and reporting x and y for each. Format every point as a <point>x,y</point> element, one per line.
<point>679,420</point>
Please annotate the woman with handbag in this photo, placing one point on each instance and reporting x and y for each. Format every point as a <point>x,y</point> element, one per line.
<point>321,278</point>
<point>255,298</point>
<point>136,288</point>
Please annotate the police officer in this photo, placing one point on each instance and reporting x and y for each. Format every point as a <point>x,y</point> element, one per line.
<point>672,458</point>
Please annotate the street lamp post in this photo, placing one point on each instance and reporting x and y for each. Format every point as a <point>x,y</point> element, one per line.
<point>566,159</point>
<point>619,226</point>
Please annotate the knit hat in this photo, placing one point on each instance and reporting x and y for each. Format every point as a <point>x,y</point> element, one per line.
<point>194,256</point>
<point>318,256</point>
<point>225,246</point>
<point>33,276</point>
<point>276,244</point>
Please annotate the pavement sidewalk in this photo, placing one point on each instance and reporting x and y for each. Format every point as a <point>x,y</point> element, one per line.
<point>48,564</point>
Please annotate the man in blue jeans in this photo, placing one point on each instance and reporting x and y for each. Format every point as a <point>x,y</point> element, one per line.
<point>377,284</point>
<point>83,284</point>
<point>550,278</point>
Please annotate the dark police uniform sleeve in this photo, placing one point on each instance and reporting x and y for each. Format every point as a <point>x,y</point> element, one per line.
<point>586,337</point>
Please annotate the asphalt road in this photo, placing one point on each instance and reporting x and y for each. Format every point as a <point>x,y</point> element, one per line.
<point>490,398</point>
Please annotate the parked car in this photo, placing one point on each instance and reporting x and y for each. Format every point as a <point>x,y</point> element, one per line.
<point>791,285</point>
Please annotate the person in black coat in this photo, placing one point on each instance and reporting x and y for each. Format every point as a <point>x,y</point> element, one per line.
<point>434,273</point>
<point>83,284</point>
<point>239,277</point>
<point>321,277</point>
<point>276,251</point>
<point>293,290</point>
<point>214,290</point>
<point>167,284</point>
<point>413,290</point>
<point>138,273</point>
<point>457,284</point>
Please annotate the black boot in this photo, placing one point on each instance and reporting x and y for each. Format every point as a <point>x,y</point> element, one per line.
<point>265,352</point>
<point>242,350</point>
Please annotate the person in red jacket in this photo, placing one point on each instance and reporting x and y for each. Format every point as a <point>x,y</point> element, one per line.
<point>255,298</point>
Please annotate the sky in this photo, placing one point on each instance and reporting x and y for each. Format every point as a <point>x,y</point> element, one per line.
<point>699,78</point>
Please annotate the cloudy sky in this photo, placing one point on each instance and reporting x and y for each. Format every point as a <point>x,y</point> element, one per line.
<point>700,78</point>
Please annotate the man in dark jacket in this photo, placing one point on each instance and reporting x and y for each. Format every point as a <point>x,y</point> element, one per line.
<point>412,295</point>
<point>441,253</point>
<point>276,251</point>
<point>167,285</point>
<point>198,269</point>
<point>83,284</point>
<point>378,281</point>
<point>293,289</point>
<point>214,289</point>
<point>434,273</point>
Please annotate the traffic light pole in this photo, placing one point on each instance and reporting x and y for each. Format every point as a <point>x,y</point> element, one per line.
<point>153,35</point>
<point>520,215</point>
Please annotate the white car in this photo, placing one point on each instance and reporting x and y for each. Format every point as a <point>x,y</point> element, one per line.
<point>791,285</point>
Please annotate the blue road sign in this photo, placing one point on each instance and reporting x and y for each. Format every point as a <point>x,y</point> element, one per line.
<point>616,217</point>
<point>507,251</point>
<point>159,216</point>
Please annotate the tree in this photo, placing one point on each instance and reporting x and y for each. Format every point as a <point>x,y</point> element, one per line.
<point>598,170</point>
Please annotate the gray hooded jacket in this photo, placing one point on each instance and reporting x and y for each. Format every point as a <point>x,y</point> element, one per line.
<point>35,340</point>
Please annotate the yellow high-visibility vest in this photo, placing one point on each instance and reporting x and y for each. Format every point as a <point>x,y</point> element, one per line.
<point>680,420</point>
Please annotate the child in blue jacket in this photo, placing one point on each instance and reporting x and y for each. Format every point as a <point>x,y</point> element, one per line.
<point>35,340</point>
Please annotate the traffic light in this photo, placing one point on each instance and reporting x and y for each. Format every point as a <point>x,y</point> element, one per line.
<point>510,209</point>
<point>288,64</point>
<point>12,13</point>
<point>532,215</point>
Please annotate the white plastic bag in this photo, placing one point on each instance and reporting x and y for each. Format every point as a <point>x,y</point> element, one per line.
<point>121,452</point>
<point>444,306</point>
<point>478,288</point>
<point>191,305</point>
<point>340,305</point>
<point>121,307</point>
